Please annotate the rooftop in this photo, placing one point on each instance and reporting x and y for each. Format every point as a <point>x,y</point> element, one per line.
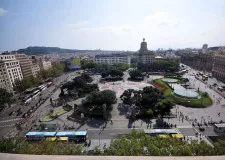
<point>110,55</point>
<point>220,125</point>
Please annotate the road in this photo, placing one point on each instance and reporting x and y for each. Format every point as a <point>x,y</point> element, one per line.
<point>108,133</point>
<point>7,123</point>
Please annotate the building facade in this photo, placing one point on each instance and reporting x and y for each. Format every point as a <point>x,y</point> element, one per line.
<point>112,59</point>
<point>45,63</point>
<point>35,65</point>
<point>201,61</point>
<point>35,69</point>
<point>218,70</point>
<point>144,55</point>
<point>10,70</point>
<point>25,64</point>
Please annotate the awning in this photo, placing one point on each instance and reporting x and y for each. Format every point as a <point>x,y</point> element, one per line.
<point>163,136</point>
<point>177,136</point>
<point>62,139</point>
<point>51,139</point>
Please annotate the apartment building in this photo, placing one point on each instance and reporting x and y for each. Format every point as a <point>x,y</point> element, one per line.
<point>25,64</point>
<point>218,70</point>
<point>45,63</point>
<point>112,59</point>
<point>35,65</point>
<point>10,70</point>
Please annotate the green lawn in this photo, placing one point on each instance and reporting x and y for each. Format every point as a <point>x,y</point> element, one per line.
<point>167,92</point>
<point>50,117</point>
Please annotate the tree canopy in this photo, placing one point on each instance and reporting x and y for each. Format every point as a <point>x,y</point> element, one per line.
<point>99,98</point>
<point>134,144</point>
<point>113,73</point>
<point>5,97</point>
<point>136,75</point>
<point>22,85</point>
<point>80,85</point>
<point>148,102</point>
<point>138,143</point>
<point>165,65</point>
<point>21,146</point>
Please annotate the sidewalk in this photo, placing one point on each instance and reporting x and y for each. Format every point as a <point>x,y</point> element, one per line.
<point>99,143</point>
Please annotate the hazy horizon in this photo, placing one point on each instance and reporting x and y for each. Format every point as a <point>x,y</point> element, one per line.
<point>111,25</point>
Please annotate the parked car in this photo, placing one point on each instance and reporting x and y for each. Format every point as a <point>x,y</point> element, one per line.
<point>220,89</point>
<point>201,129</point>
<point>214,85</point>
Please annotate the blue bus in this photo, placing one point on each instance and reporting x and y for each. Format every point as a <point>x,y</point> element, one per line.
<point>37,136</point>
<point>75,136</point>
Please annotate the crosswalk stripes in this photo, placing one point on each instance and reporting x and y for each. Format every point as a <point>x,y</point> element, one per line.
<point>9,120</point>
<point>10,125</point>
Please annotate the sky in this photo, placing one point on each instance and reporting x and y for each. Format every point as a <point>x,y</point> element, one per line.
<point>111,24</point>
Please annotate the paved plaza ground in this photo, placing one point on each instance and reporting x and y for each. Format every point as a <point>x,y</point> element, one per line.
<point>119,87</point>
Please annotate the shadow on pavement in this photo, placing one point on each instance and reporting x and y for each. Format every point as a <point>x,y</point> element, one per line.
<point>123,109</point>
<point>95,123</point>
<point>130,123</point>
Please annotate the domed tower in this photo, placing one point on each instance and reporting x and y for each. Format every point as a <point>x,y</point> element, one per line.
<point>143,48</point>
<point>145,56</point>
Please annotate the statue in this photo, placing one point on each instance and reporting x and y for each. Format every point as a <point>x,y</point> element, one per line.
<point>105,115</point>
<point>133,112</point>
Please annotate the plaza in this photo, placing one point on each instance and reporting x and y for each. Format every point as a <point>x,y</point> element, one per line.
<point>119,87</point>
<point>183,117</point>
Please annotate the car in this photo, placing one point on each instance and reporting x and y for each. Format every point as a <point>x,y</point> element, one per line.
<point>201,129</point>
<point>214,85</point>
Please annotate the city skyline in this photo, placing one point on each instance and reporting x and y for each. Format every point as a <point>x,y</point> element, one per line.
<point>111,25</point>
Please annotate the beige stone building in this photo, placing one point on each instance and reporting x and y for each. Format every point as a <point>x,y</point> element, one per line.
<point>45,64</point>
<point>145,56</point>
<point>25,64</point>
<point>10,70</point>
<point>35,65</point>
<point>218,70</point>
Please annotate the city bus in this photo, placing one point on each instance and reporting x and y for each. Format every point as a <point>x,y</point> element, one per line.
<point>27,99</point>
<point>77,136</point>
<point>37,136</point>
<point>36,93</point>
<point>42,87</point>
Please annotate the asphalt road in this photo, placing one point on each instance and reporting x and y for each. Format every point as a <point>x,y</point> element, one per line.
<point>7,123</point>
<point>108,133</point>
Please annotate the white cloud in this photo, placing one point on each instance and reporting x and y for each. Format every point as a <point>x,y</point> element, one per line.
<point>3,12</point>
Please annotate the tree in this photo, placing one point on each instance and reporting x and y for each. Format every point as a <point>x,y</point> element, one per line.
<point>138,143</point>
<point>5,98</point>
<point>120,67</point>
<point>107,97</point>
<point>87,65</point>
<point>86,77</point>
<point>80,85</point>
<point>136,75</point>
<point>133,65</point>
<point>44,73</point>
<point>22,85</point>
<point>113,73</point>
<point>147,102</point>
<point>164,106</point>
